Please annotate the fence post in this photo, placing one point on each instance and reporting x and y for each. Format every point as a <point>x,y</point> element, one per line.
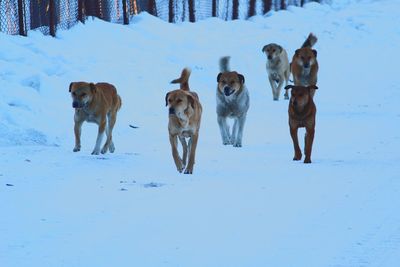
<point>302,2</point>
<point>171,13</point>
<point>252,8</point>
<point>80,11</point>
<point>283,5</point>
<point>214,8</point>
<point>52,24</point>
<point>267,5</point>
<point>125,12</point>
<point>192,16</point>
<point>21,15</point>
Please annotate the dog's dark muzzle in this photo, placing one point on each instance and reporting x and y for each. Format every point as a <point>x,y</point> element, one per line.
<point>306,65</point>
<point>269,57</point>
<point>171,111</point>
<point>228,91</point>
<point>76,104</point>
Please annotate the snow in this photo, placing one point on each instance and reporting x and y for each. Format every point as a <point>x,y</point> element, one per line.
<point>251,206</point>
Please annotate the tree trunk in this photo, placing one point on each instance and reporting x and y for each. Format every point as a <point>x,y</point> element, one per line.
<point>252,8</point>
<point>235,9</point>
<point>214,8</point>
<point>192,16</point>
<point>267,5</point>
<point>171,12</point>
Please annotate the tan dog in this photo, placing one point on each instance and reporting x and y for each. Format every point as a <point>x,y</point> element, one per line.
<point>302,113</point>
<point>278,68</point>
<point>98,103</point>
<point>184,122</point>
<point>304,64</point>
<point>233,101</point>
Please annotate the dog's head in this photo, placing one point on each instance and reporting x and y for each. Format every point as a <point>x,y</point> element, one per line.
<point>179,102</point>
<point>305,57</point>
<point>300,95</point>
<point>82,93</point>
<point>230,82</point>
<point>272,51</point>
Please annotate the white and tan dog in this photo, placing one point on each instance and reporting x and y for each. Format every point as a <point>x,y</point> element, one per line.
<point>278,68</point>
<point>98,103</point>
<point>233,101</point>
<point>184,122</point>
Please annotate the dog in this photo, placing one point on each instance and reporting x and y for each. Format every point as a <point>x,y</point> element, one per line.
<point>304,65</point>
<point>302,111</point>
<point>98,103</point>
<point>184,122</point>
<point>278,68</point>
<point>233,101</point>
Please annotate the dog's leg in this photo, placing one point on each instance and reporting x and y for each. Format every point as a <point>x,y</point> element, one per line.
<point>308,142</point>
<point>193,141</point>
<point>273,87</point>
<point>174,143</point>
<point>235,130</point>
<point>78,130</point>
<point>279,87</point>
<point>100,134</point>
<point>297,151</point>
<point>109,145</point>
<point>287,74</point>
<point>241,122</point>
<point>184,148</point>
<point>224,129</point>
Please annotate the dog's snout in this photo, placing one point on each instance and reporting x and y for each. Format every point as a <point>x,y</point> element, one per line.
<point>75,104</point>
<point>306,65</point>
<point>171,111</point>
<point>269,57</point>
<point>227,91</point>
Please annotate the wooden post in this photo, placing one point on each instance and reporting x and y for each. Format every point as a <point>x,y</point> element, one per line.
<point>21,14</point>
<point>52,23</point>
<point>192,15</point>
<point>125,12</point>
<point>302,2</point>
<point>283,5</point>
<point>214,8</point>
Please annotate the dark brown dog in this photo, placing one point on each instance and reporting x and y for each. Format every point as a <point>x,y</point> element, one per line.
<point>98,103</point>
<point>304,66</point>
<point>302,113</point>
<point>184,122</point>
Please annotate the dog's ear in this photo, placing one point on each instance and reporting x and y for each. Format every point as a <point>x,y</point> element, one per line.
<point>166,99</point>
<point>312,87</point>
<point>315,52</point>
<point>241,78</point>
<point>70,86</point>
<point>219,76</point>
<point>289,87</point>
<point>297,52</point>
<point>265,47</point>
<point>280,49</point>
<point>92,87</point>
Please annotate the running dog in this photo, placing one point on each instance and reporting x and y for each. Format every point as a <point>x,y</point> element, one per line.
<point>304,64</point>
<point>278,68</point>
<point>233,101</point>
<point>98,103</point>
<point>184,122</point>
<point>302,111</point>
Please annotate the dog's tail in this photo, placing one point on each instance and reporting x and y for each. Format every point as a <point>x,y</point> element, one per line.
<point>119,104</point>
<point>224,64</point>
<point>184,79</point>
<point>310,41</point>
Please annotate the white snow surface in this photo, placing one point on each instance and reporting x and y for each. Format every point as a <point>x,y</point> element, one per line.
<point>243,207</point>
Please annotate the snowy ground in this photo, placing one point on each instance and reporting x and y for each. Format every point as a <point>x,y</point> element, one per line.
<point>251,206</point>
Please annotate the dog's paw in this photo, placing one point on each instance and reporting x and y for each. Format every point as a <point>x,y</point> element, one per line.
<point>227,142</point>
<point>276,99</point>
<point>112,148</point>
<point>286,97</point>
<point>104,150</point>
<point>95,152</point>
<point>297,157</point>
<point>189,171</point>
<point>307,160</point>
<point>237,144</point>
<point>76,149</point>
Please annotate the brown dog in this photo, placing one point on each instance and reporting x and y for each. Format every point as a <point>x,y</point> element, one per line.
<point>302,112</point>
<point>98,103</point>
<point>184,121</point>
<point>304,66</point>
